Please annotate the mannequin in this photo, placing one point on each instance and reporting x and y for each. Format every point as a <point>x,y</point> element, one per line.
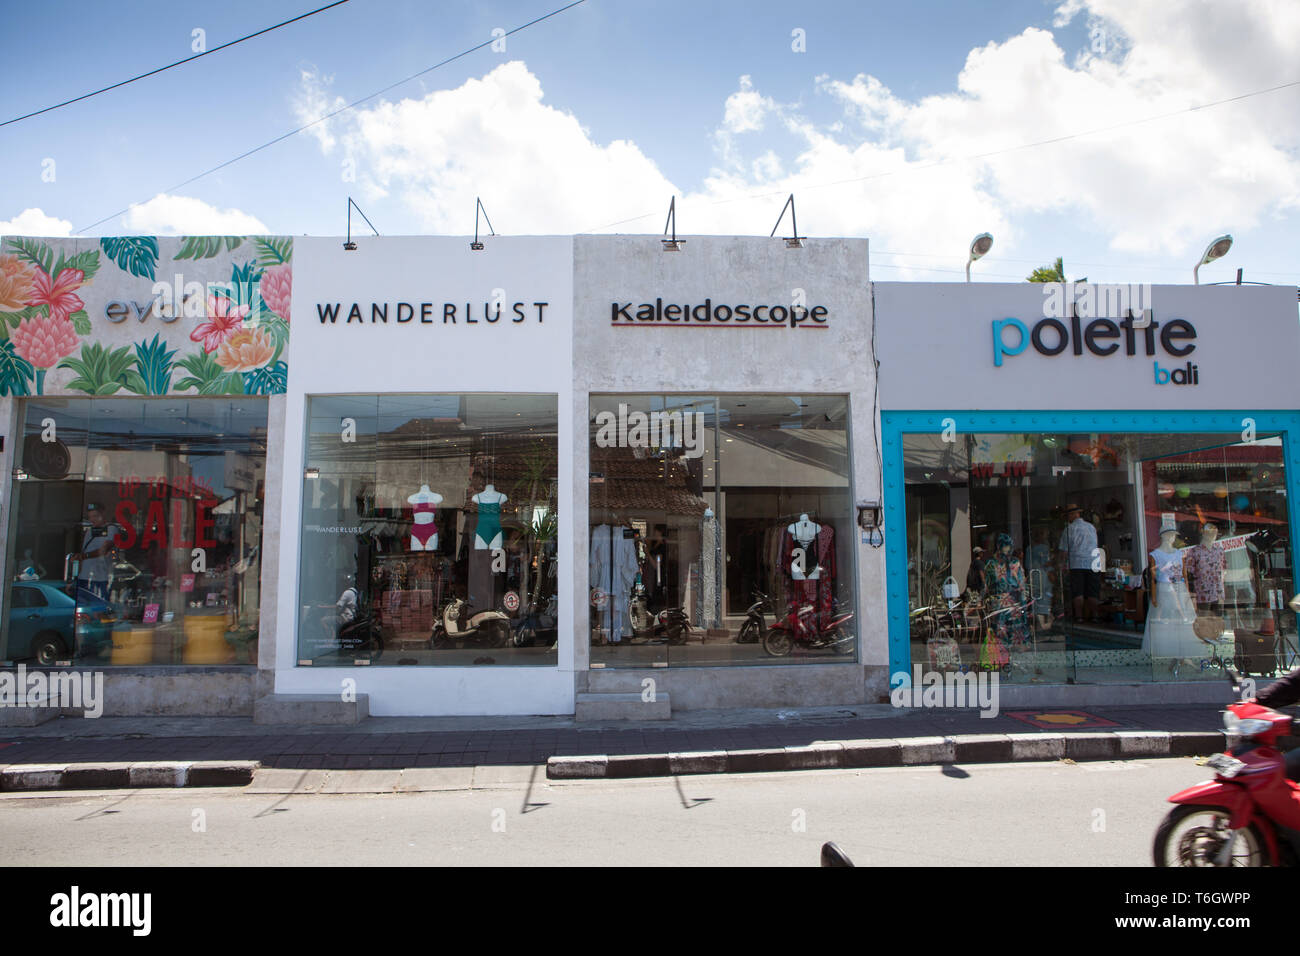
<point>424,504</point>
<point>1204,566</point>
<point>1004,577</point>
<point>808,558</point>
<point>1169,631</point>
<point>805,533</point>
<point>487,533</point>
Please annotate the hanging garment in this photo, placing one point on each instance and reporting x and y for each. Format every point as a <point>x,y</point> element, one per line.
<point>1205,565</point>
<point>821,555</point>
<point>612,567</point>
<point>1005,580</point>
<point>710,586</point>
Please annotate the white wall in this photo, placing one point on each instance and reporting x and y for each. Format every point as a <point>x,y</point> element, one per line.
<point>366,358</point>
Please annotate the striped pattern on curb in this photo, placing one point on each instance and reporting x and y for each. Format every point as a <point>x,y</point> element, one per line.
<point>852,754</point>
<point>140,774</point>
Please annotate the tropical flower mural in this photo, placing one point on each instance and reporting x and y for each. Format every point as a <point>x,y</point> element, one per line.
<point>239,337</point>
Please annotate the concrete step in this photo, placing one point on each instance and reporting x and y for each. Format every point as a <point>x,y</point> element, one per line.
<point>24,714</point>
<point>622,707</point>
<point>325,709</point>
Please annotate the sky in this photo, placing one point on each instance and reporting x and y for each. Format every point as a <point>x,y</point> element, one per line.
<point>1093,130</point>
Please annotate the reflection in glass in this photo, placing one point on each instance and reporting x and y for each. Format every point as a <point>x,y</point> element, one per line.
<point>429,531</point>
<point>720,530</point>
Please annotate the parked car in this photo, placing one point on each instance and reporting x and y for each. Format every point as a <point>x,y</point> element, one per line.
<point>46,621</point>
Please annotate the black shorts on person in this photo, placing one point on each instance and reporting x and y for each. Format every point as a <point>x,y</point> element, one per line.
<point>1085,583</point>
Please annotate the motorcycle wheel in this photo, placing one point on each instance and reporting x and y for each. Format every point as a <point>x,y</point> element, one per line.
<point>676,634</point>
<point>748,633</point>
<point>498,634</point>
<point>1192,835</point>
<point>778,643</point>
<point>440,639</point>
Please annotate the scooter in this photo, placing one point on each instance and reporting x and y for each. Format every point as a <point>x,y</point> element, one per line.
<point>801,627</point>
<point>755,628</point>
<point>484,629</point>
<point>1249,815</point>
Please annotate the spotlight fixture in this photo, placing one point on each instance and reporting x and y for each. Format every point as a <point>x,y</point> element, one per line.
<point>672,244</point>
<point>795,241</point>
<point>478,205</point>
<point>1215,250</point>
<point>348,244</point>
<point>979,247</point>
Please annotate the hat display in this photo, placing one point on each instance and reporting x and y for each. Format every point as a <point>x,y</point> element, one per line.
<point>1167,525</point>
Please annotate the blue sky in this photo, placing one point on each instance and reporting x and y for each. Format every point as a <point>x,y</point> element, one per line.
<point>596,116</point>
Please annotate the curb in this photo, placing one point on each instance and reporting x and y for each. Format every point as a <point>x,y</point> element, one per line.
<point>136,775</point>
<point>914,751</point>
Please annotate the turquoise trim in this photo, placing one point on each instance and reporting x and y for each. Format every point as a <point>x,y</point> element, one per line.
<point>895,424</point>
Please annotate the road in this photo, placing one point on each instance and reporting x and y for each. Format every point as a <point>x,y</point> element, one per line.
<point>1028,814</point>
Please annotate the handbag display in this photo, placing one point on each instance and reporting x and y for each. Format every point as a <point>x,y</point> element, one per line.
<point>943,653</point>
<point>1208,627</point>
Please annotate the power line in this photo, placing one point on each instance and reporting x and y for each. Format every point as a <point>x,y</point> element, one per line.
<point>161,69</point>
<point>342,109</point>
<point>973,156</point>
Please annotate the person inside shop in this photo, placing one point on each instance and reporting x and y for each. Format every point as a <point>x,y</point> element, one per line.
<point>975,576</point>
<point>95,562</point>
<point>1078,547</point>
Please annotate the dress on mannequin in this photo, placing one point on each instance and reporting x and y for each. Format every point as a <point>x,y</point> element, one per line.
<point>811,574</point>
<point>1169,631</point>
<point>612,568</point>
<point>1204,565</point>
<point>1004,578</point>
<point>487,533</point>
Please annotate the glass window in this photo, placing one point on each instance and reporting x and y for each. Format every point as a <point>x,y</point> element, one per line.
<point>1098,557</point>
<point>721,530</point>
<point>429,531</point>
<point>137,531</point>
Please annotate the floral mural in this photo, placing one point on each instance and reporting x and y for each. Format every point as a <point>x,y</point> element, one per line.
<point>224,325</point>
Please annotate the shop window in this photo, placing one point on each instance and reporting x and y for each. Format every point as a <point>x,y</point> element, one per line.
<point>429,531</point>
<point>721,530</point>
<point>1098,557</point>
<point>136,532</point>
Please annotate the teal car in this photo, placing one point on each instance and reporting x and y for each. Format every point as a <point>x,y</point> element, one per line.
<point>46,622</point>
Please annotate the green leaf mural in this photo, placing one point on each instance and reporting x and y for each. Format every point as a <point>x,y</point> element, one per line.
<point>205,247</point>
<point>16,373</point>
<point>37,253</point>
<point>269,380</point>
<point>278,329</point>
<point>13,319</point>
<point>100,371</point>
<point>81,322</point>
<point>137,255</point>
<point>153,364</point>
<point>87,262</point>
<point>273,252</point>
<point>205,375</point>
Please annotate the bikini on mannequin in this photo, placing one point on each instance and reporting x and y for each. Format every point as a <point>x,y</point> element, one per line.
<point>424,505</point>
<point>487,534</point>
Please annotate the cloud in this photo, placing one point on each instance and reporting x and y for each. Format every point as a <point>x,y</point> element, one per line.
<point>34,222</point>
<point>921,173</point>
<point>166,215</point>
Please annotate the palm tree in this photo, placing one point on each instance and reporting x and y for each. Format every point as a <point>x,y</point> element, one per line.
<point>1052,273</point>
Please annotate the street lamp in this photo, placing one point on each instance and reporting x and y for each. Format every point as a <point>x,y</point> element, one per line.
<point>1215,250</point>
<point>979,246</point>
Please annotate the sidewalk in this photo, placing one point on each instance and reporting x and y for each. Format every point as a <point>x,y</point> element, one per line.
<point>878,733</point>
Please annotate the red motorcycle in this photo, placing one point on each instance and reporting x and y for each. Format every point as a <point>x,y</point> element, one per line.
<point>801,627</point>
<point>1249,815</point>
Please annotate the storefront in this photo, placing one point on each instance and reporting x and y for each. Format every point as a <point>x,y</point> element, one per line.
<point>1087,500</point>
<point>137,376</point>
<point>592,475</point>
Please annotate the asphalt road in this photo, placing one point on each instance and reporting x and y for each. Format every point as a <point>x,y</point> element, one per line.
<point>1028,814</point>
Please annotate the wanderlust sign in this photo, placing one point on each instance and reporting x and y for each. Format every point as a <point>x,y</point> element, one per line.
<point>493,312</point>
<point>711,315</point>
